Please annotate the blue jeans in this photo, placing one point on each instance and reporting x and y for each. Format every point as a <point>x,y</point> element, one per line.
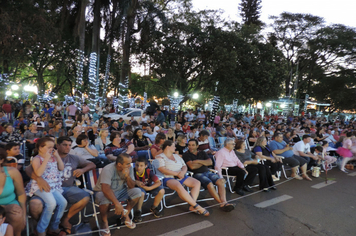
<point>55,203</point>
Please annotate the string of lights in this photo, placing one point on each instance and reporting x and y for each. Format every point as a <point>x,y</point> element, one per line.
<point>93,83</point>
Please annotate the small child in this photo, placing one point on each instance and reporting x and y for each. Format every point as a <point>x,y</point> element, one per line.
<point>147,181</point>
<point>5,229</point>
<point>319,152</point>
<point>329,159</point>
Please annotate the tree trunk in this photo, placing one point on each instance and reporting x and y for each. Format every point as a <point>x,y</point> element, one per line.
<point>125,68</point>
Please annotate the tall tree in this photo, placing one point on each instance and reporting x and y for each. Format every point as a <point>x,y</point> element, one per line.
<point>250,11</point>
<point>291,34</point>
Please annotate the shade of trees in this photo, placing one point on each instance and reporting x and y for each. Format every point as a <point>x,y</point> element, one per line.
<point>180,49</point>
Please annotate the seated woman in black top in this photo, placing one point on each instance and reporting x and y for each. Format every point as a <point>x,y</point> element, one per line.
<point>295,136</point>
<point>181,145</point>
<point>253,166</point>
<point>141,143</point>
<point>252,137</point>
<point>273,161</point>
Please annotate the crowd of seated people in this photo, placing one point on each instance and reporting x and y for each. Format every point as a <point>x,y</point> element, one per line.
<point>65,142</point>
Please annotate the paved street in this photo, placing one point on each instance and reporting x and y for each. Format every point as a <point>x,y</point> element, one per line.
<point>305,208</point>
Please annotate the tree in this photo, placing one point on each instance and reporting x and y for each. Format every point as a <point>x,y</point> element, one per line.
<point>291,35</point>
<point>250,11</point>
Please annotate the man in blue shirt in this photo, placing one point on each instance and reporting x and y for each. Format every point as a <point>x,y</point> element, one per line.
<point>281,148</point>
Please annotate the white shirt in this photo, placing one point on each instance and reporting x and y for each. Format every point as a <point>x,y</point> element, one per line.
<point>329,138</point>
<point>155,130</point>
<point>144,120</point>
<point>201,117</point>
<point>3,228</point>
<point>189,117</point>
<point>238,133</point>
<point>301,147</point>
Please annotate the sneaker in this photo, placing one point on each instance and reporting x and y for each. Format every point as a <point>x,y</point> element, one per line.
<point>137,217</point>
<point>156,212</point>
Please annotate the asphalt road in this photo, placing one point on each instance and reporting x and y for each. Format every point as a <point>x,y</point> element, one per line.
<point>307,208</point>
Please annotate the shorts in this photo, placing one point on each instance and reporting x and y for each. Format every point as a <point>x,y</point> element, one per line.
<point>121,195</point>
<point>206,178</point>
<point>74,194</point>
<point>180,180</point>
<point>294,161</point>
<point>153,192</point>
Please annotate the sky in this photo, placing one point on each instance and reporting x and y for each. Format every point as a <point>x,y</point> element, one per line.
<point>333,11</point>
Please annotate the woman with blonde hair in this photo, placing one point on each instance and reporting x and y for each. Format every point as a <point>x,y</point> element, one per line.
<point>181,144</point>
<point>102,141</point>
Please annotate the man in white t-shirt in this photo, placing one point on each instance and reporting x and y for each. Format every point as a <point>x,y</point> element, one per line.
<point>302,149</point>
<point>201,116</point>
<point>189,116</point>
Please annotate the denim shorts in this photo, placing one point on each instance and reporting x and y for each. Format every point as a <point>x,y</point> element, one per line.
<point>121,195</point>
<point>206,178</point>
<point>180,180</point>
<point>74,194</point>
<point>154,192</point>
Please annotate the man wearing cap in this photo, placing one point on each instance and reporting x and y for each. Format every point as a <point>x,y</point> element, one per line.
<point>302,149</point>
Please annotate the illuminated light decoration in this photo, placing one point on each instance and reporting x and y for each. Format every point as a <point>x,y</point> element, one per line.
<point>268,104</point>
<point>283,105</point>
<point>195,96</point>
<point>4,80</point>
<point>234,104</point>
<point>216,102</point>
<point>14,87</point>
<point>93,86</point>
<point>145,104</point>
<point>175,100</point>
<point>16,95</point>
<point>132,102</point>
<point>305,102</point>
<point>24,95</point>
<point>8,93</point>
<point>79,72</point>
<point>123,99</point>
<point>45,98</point>
<point>115,102</point>
<point>259,105</point>
<point>106,78</point>
<point>176,94</point>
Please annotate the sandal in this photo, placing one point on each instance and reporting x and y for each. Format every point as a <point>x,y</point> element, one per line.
<point>105,231</point>
<point>196,211</point>
<point>228,207</point>
<point>129,224</point>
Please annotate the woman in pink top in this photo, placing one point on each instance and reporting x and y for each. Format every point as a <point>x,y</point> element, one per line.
<point>226,157</point>
<point>85,109</point>
<point>345,151</point>
<point>216,120</point>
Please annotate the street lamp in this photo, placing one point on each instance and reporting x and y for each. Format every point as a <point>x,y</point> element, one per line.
<point>175,94</point>
<point>195,96</point>
<point>15,87</point>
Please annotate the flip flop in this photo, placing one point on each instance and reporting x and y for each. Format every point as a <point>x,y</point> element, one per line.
<point>105,231</point>
<point>129,224</point>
